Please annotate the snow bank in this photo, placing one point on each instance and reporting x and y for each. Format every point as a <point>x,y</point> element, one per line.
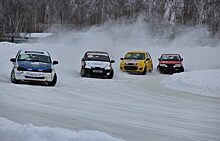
<point>7,44</point>
<point>36,35</point>
<point>40,35</point>
<point>204,82</point>
<point>10,131</point>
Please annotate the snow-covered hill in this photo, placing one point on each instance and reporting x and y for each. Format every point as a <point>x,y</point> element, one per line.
<point>130,107</point>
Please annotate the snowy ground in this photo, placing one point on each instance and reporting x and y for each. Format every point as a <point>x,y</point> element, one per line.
<point>129,107</point>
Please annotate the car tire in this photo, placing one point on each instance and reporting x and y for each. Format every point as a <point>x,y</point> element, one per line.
<point>145,71</point>
<point>159,70</point>
<point>151,69</point>
<point>54,81</point>
<point>82,72</point>
<point>111,75</point>
<point>182,69</point>
<point>13,79</point>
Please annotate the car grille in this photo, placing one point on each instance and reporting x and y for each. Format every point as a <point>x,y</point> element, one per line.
<point>34,77</point>
<point>170,65</point>
<point>130,67</point>
<point>46,71</point>
<point>97,68</point>
<point>131,63</point>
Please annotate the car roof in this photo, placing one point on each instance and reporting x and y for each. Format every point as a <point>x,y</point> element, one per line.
<point>137,52</point>
<point>40,52</point>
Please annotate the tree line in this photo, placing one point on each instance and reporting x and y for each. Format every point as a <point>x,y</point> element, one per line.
<point>27,16</point>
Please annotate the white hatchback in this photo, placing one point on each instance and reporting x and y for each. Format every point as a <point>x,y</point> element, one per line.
<point>33,65</point>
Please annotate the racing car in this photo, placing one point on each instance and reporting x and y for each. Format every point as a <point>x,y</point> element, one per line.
<point>137,62</point>
<point>170,63</point>
<point>33,65</point>
<point>97,63</point>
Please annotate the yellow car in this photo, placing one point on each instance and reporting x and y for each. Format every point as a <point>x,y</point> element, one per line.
<point>137,62</point>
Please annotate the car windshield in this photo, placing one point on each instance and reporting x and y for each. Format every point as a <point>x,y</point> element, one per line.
<point>170,58</point>
<point>135,56</point>
<point>34,58</point>
<point>97,57</point>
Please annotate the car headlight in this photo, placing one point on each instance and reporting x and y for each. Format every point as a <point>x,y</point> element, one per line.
<point>88,66</point>
<point>19,68</point>
<point>107,66</point>
<point>48,70</point>
<point>163,65</point>
<point>178,65</point>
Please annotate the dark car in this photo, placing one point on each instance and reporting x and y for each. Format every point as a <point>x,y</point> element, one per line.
<point>170,63</point>
<point>97,63</point>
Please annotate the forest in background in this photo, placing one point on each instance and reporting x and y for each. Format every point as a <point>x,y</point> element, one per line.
<point>28,16</point>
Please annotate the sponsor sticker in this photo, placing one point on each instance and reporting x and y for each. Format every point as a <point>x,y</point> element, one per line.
<point>34,75</point>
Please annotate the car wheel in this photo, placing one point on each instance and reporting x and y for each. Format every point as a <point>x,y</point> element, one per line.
<point>182,69</point>
<point>54,81</point>
<point>82,72</point>
<point>111,75</point>
<point>159,70</point>
<point>151,69</point>
<point>145,71</point>
<point>13,78</point>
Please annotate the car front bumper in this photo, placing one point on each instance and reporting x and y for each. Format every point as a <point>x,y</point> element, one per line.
<point>97,72</point>
<point>170,69</point>
<point>34,76</point>
<point>132,68</point>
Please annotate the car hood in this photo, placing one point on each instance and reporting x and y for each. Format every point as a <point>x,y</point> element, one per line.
<point>99,64</point>
<point>170,62</point>
<point>34,65</point>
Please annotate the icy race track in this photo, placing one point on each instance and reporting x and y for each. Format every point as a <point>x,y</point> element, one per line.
<point>129,107</point>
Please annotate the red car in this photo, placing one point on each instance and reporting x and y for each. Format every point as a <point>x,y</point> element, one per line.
<point>170,63</point>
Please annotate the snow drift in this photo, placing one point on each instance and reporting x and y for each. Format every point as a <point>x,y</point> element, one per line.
<point>204,82</point>
<point>11,131</point>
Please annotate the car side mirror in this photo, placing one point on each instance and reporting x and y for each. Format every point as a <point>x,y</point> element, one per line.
<point>112,61</point>
<point>148,59</point>
<point>13,60</point>
<point>55,62</point>
<point>122,58</point>
<point>181,59</point>
<point>83,59</point>
<point>158,59</point>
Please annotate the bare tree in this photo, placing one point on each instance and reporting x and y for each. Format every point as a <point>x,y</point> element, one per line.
<point>37,15</point>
